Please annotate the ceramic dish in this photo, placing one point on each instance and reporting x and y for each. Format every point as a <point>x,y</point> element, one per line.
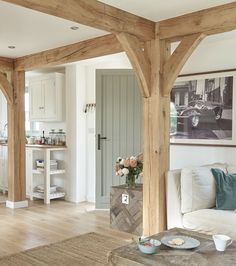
<point>189,242</point>
<point>149,246</point>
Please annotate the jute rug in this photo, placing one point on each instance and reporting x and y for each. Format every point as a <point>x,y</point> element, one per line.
<point>86,250</point>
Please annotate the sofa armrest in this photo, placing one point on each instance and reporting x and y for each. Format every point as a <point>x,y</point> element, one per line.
<point>173,199</point>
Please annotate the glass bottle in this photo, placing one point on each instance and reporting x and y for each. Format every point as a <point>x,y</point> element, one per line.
<point>61,137</point>
<point>43,139</point>
<point>51,139</point>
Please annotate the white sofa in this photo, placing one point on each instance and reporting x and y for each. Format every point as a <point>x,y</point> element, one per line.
<point>191,201</point>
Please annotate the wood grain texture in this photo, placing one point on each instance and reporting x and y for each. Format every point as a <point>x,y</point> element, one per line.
<point>94,14</point>
<point>127,217</point>
<point>205,254</point>
<point>174,64</point>
<point>6,64</point>
<point>42,224</point>
<point>208,21</point>
<point>95,47</point>
<point>139,60</point>
<point>6,88</point>
<point>156,148</point>
<point>16,140</point>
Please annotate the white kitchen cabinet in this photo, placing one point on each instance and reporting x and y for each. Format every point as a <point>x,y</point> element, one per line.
<point>46,97</point>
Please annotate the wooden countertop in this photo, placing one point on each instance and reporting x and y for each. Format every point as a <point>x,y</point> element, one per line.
<point>36,146</point>
<point>45,146</point>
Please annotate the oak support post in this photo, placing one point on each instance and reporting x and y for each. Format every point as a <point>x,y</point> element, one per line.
<point>16,144</point>
<point>156,147</point>
<point>156,70</point>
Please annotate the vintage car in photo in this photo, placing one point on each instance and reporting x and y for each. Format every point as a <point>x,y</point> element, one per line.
<point>199,111</point>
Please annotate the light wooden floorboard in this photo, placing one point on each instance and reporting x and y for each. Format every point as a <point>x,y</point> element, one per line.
<point>40,224</point>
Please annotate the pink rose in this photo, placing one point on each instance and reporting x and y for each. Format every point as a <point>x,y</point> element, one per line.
<point>133,163</point>
<point>140,157</point>
<point>117,167</point>
<point>120,173</point>
<point>126,163</point>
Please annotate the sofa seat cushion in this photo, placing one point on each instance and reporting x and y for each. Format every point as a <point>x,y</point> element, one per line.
<point>211,221</point>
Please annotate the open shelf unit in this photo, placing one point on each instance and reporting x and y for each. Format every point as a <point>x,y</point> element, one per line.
<point>45,176</point>
<point>52,172</point>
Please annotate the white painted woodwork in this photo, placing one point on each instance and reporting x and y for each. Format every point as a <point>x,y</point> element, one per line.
<point>46,177</point>
<point>3,169</point>
<point>119,118</point>
<point>17,204</point>
<point>28,172</point>
<point>46,97</point>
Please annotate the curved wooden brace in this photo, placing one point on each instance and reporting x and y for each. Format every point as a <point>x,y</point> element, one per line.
<point>139,60</point>
<point>6,88</point>
<point>176,61</point>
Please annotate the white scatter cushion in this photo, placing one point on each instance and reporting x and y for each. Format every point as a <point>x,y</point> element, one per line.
<point>221,166</point>
<point>231,169</point>
<point>198,189</point>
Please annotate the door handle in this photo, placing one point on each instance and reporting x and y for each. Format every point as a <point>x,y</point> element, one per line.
<point>99,141</point>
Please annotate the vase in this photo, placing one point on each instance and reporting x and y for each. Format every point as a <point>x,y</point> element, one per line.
<point>130,181</point>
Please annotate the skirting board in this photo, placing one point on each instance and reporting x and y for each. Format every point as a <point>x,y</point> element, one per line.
<point>17,204</point>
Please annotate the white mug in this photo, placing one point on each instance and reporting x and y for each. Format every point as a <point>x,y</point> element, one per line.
<point>221,242</point>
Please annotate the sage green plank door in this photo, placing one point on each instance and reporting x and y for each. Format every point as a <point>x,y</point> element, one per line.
<point>119,127</point>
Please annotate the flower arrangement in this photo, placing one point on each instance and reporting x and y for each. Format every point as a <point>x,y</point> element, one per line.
<point>131,168</point>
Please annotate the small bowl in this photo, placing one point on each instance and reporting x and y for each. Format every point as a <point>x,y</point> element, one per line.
<point>149,246</point>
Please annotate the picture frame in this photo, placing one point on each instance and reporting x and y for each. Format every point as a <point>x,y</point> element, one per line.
<point>203,108</point>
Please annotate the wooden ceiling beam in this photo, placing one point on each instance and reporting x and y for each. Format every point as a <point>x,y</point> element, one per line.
<point>94,14</point>
<point>176,61</point>
<point>99,46</point>
<point>6,88</point>
<point>139,59</point>
<point>6,64</point>
<point>208,21</point>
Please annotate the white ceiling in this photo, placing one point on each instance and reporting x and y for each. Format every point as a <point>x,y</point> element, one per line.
<point>31,31</point>
<point>157,10</point>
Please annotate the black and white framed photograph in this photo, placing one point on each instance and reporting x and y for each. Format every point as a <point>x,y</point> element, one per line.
<point>202,108</point>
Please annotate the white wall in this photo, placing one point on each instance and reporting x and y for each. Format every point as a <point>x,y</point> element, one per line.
<point>182,156</point>
<point>214,53</point>
<point>3,112</point>
<point>76,133</point>
<point>86,79</point>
